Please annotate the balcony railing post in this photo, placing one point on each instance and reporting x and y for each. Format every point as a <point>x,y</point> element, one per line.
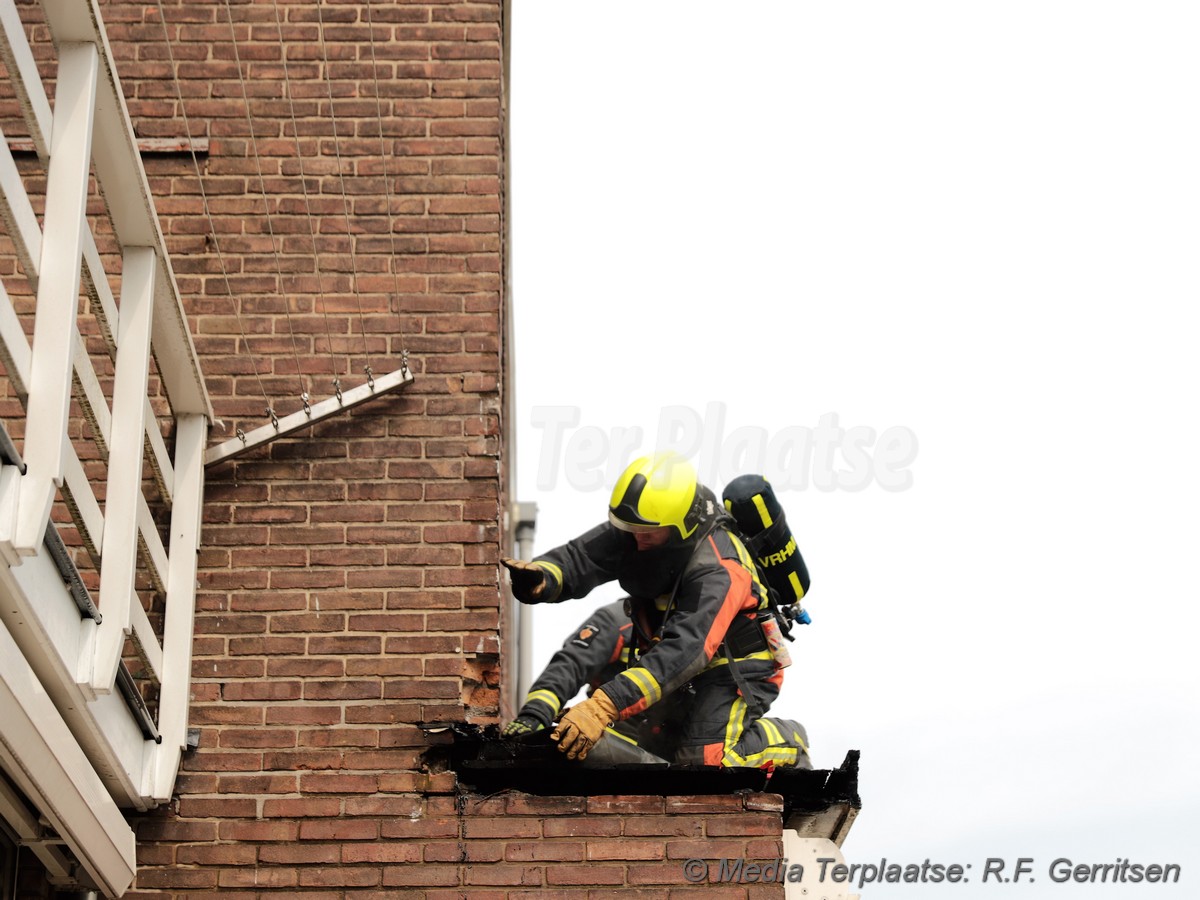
<point>55,328</point>
<point>119,552</point>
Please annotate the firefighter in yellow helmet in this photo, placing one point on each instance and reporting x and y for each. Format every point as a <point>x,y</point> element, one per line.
<point>695,600</point>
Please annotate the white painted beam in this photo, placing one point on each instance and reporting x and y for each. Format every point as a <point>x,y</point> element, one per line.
<point>58,292</point>
<point>160,459</point>
<point>30,833</point>
<point>24,76</point>
<point>81,501</point>
<point>19,218</point>
<point>95,283</point>
<point>190,438</point>
<point>93,404</point>
<point>150,547</point>
<point>118,555</point>
<point>298,421</point>
<point>44,620</point>
<point>45,761</point>
<point>14,346</point>
<point>123,182</point>
<point>145,640</point>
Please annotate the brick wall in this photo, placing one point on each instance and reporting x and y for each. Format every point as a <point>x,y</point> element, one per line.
<point>373,845</point>
<point>348,587</point>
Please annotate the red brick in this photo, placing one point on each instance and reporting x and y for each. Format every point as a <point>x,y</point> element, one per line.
<point>257,784</point>
<point>499,873</point>
<point>211,807</point>
<point>764,802</point>
<point>300,854</point>
<point>598,875</point>
<point>626,805</point>
<point>664,873</point>
<point>706,849</point>
<point>339,830</point>
<point>257,878</point>
<point>666,826</point>
<point>390,807</point>
<point>705,803</point>
<point>423,828</point>
<point>292,808</point>
<point>747,824</point>
<point>625,849</point>
<point>320,782</point>
<point>340,877</point>
<point>538,851</point>
<point>501,828</point>
<point>420,876</point>
<point>599,826</point>
<point>234,830</point>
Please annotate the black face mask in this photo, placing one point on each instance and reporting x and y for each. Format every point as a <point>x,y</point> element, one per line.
<point>650,573</point>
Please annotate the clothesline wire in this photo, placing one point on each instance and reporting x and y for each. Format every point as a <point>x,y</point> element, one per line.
<point>187,126</point>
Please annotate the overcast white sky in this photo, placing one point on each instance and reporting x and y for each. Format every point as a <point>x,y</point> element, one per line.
<point>977,223</point>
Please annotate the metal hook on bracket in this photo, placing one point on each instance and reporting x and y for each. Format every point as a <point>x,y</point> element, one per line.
<point>274,418</point>
<point>370,377</point>
<point>307,408</point>
<point>337,390</point>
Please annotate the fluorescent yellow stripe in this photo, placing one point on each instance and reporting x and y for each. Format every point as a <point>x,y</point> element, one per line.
<point>742,552</point>
<point>557,573</point>
<point>724,661</point>
<point>761,506</point>
<point>612,732</point>
<point>773,734</point>
<point>646,683</point>
<point>733,728</point>
<point>747,562</point>
<point>729,506</point>
<point>794,580</point>
<point>799,740</point>
<point>781,756</point>
<point>629,673</point>
<point>548,697</point>
<point>778,751</point>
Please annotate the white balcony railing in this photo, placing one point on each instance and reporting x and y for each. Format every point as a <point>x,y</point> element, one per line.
<point>84,639</point>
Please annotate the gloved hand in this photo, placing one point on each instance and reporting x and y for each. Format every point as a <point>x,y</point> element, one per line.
<point>522,725</point>
<point>528,579</point>
<point>583,725</point>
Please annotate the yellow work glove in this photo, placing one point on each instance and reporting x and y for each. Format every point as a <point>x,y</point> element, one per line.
<point>528,579</point>
<point>583,725</point>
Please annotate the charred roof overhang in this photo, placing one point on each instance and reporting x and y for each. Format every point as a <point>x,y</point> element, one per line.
<point>816,802</point>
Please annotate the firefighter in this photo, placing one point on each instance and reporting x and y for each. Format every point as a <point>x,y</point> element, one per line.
<point>695,602</point>
<point>593,653</point>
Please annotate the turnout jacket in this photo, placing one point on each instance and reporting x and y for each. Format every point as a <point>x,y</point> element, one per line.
<point>686,598</point>
<point>594,653</point>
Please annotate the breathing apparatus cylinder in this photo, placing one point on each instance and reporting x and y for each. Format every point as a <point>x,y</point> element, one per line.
<point>762,521</point>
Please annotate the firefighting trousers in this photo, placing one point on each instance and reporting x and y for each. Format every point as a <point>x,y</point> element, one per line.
<point>710,723</point>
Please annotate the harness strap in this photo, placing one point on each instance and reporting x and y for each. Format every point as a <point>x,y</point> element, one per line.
<point>752,705</point>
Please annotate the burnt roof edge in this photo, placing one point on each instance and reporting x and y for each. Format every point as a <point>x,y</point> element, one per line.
<point>816,802</point>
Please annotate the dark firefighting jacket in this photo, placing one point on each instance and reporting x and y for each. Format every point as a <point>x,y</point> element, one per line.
<point>689,600</point>
<point>592,655</point>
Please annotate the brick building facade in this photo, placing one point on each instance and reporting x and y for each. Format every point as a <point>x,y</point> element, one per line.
<point>348,586</point>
